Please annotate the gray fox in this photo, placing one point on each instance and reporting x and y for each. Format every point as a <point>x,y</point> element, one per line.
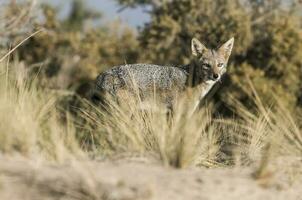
<point>167,82</point>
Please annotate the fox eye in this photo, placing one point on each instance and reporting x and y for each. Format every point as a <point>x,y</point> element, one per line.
<point>220,65</point>
<point>206,65</point>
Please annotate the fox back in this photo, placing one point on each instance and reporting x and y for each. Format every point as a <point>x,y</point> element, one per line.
<point>166,82</point>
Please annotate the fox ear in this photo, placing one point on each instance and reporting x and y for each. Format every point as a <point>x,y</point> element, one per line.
<point>197,47</point>
<point>226,48</point>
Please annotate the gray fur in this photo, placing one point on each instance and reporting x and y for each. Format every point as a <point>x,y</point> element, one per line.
<point>145,76</point>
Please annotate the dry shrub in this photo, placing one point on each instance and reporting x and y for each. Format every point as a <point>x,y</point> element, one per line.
<point>134,123</point>
<point>30,122</point>
<point>270,130</point>
<point>33,126</point>
<point>198,139</point>
<point>16,19</point>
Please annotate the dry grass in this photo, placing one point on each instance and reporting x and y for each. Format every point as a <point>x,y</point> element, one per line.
<point>144,127</point>
<point>30,122</point>
<point>267,129</point>
<point>256,136</point>
<point>33,126</point>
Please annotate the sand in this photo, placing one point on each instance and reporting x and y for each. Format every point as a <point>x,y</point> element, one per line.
<point>23,179</point>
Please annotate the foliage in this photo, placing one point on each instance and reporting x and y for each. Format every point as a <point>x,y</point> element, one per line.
<point>70,54</point>
<point>79,14</point>
<point>13,25</point>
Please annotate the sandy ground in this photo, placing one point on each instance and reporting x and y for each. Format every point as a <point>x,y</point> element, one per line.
<point>33,180</point>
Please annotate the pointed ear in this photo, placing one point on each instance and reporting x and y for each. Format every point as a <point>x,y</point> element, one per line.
<point>197,47</point>
<point>226,48</point>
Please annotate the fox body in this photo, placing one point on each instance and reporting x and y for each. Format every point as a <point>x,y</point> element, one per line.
<point>166,82</point>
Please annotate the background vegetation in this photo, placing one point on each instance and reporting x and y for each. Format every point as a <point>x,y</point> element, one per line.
<point>268,48</point>
<point>44,80</point>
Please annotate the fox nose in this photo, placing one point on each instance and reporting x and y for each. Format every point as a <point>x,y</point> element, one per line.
<point>215,76</point>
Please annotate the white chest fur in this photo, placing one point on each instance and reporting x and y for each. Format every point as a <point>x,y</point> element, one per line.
<point>203,90</point>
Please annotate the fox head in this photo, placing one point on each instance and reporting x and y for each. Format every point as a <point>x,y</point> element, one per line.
<point>211,63</point>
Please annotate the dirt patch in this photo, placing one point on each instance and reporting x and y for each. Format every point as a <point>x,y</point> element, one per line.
<point>28,180</point>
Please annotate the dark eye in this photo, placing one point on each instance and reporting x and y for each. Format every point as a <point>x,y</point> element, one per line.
<point>205,65</point>
<point>220,64</point>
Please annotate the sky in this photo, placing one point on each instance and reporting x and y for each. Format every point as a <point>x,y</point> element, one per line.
<point>109,8</point>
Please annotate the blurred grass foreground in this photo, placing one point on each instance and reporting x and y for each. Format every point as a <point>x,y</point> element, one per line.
<point>252,122</point>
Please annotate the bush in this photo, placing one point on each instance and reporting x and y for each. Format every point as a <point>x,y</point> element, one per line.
<point>69,54</point>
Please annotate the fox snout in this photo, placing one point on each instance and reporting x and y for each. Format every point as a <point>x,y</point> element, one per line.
<point>216,73</point>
